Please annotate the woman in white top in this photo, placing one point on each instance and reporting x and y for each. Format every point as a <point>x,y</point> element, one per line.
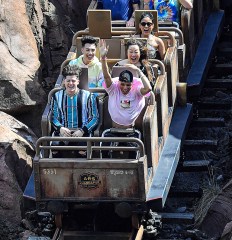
<point>155,45</point>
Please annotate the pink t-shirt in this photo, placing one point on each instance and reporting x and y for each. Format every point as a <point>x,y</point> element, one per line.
<point>124,109</point>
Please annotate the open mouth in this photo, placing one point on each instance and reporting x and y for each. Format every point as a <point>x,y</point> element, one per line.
<point>133,59</point>
<point>146,31</point>
<point>71,88</point>
<point>90,57</point>
<point>125,91</point>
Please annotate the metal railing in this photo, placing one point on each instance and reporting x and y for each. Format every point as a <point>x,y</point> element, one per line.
<point>44,143</point>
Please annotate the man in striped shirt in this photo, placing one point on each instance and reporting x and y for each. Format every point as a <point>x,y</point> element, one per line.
<point>74,110</point>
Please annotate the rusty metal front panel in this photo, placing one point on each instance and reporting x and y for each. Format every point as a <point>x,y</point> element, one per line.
<point>89,181</point>
<point>122,183</point>
<point>56,183</point>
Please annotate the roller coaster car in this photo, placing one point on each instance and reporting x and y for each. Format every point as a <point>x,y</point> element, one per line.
<point>91,179</point>
<point>64,182</point>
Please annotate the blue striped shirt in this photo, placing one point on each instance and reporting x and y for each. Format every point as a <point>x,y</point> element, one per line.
<point>78,111</point>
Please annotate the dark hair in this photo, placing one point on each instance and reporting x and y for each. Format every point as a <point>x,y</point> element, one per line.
<point>146,14</point>
<point>126,76</point>
<point>143,56</point>
<point>88,39</point>
<point>142,48</point>
<point>70,70</point>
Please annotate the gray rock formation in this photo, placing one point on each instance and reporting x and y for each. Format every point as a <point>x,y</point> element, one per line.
<point>16,154</point>
<point>19,60</point>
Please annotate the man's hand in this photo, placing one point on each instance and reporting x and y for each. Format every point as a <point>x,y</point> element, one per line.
<point>130,22</point>
<point>78,133</point>
<point>132,66</point>
<point>65,132</point>
<point>103,48</point>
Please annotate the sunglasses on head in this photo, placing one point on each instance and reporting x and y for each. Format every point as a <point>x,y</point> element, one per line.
<point>146,23</point>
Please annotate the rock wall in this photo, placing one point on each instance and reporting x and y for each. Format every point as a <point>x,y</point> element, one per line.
<point>54,23</point>
<point>19,59</point>
<point>16,152</point>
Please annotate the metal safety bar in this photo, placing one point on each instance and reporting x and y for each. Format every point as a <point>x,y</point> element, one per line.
<point>132,30</point>
<point>117,31</point>
<point>176,30</point>
<point>114,145</point>
<point>160,64</point>
<point>89,148</point>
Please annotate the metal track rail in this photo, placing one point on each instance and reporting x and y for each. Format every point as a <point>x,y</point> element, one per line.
<point>87,235</point>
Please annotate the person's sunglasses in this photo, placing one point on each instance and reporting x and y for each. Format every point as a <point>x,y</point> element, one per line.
<point>146,23</point>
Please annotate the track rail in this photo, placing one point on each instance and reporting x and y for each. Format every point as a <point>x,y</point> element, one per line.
<point>61,234</point>
<point>68,235</point>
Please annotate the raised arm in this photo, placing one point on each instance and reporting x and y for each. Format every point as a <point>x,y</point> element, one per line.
<point>146,83</point>
<point>146,4</point>
<point>105,69</point>
<point>186,3</point>
<point>131,21</point>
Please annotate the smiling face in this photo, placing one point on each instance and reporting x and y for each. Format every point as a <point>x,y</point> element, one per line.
<point>125,87</point>
<point>71,83</point>
<point>146,26</point>
<point>88,51</point>
<point>133,54</point>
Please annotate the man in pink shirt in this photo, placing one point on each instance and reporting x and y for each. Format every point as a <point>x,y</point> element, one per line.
<point>126,96</point>
<point>126,99</point>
